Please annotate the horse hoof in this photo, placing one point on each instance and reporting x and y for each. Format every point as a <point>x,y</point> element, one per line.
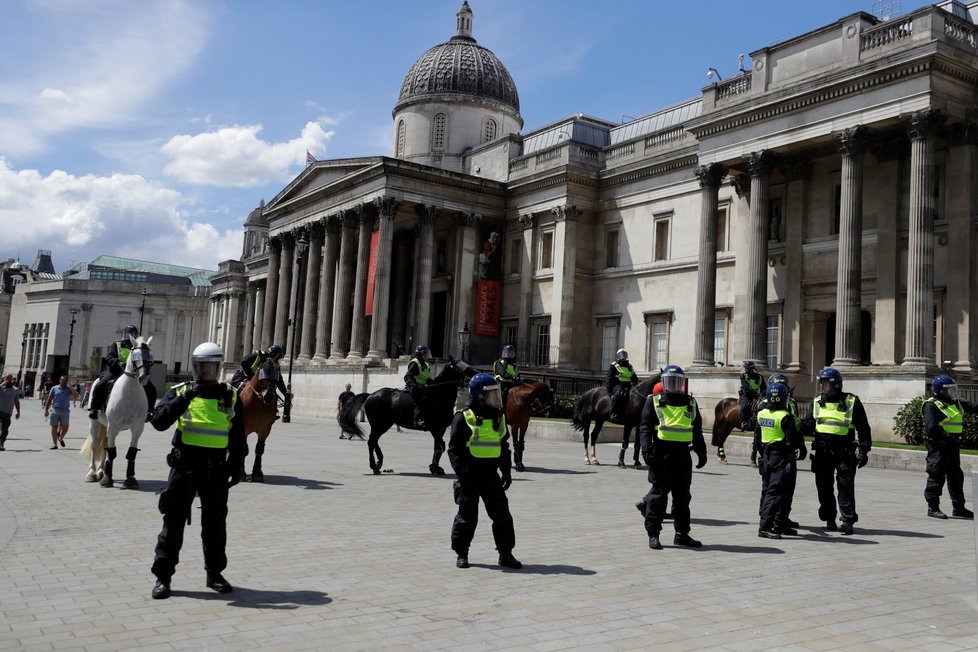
<point>638,465</point>
<point>376,471</point>
<point>101,474</point>
<point>595,462</point>
<point>257,477</point>
<point>722,460</point>
<point>91,477</point>
<point>106,481</point>
<point>130,483</point>
<point>436,470</point>
<point>587,460</point>
<point>520,467</point>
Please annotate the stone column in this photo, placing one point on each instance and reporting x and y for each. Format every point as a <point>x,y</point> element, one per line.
<point>366,214</point>
<point>957,246</point>
<point>798,176</point>
<point>759,165</point>
<point>466,258</point>
<point>258,333</point>
<point>249,320</point>
<point>565,269</point>
<point>427,215</point>
<point>232,322</point>
<point>344,288</point>
<point>386,208</point>
<point>271,291</point>
<point>886,336</point>
<point>526,284</point>
<point>284,292</point>
<point>921,126</point>
<point>402,289</point>
<point>310,307</point>
<point>852,145</point>
<point>327,286</point>
<point>710,177</point>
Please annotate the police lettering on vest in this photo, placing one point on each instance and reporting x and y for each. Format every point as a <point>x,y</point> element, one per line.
<point>770,423</point>
<point>207,421</point>
<point>675,421</point>
<point>953,422</point>
<point>830,419</point>
<point>486,441</point>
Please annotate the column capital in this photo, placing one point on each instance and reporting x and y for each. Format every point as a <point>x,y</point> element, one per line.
<point>333,223</point>
<point>710,175</point>
<point>317,229</point>
<point>87,306</point>
<point>366,213</point>
<point>741,184</point>
<point>350,219</point>
<point>526,220</point>
<point>799,171</point>
<point>275,243</point>
<point>427,213</point>
<point>852,141</point>
<point>569,213</point>
<point>759,164</point>
<point>467,219</point>
<point>387,206</point>
<point>288,238</point>
<point>924,123</point>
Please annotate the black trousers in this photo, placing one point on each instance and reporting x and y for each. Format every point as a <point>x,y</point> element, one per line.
<point>671,472</point>
<point>205,476</point>
<point>488,487</point>
<point>779,475</point>
<point>836,463</point>
<point>944,464</point>
<point>4,426</point>
<point>745,408</point>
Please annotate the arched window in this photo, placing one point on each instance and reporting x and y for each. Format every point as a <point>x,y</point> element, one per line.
<point>399,150</point>
<point>438,132</point>
<point>489,130</point>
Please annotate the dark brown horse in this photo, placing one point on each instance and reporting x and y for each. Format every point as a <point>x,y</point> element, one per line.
<point>519,400</point>
<point>595,405</point>
<point>726,417</point>
<point>260,405</point>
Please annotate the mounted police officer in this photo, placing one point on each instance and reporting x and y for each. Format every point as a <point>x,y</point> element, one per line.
<point>506,372</point>
<point>254,360</point>
<point>208,449</point>
<point>943,424</point>
<point>116,356</point>
<point>621,378</point>
<point>478,449</point>
<point>415,383</point>
<point>781,445</point>
<point>752,387</point>
<point>842,443</point>
<point>671,425</point>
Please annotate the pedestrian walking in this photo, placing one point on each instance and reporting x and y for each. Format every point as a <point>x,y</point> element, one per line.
<point>57,407</point>
<point>943,424</point>
<point>9,403</point>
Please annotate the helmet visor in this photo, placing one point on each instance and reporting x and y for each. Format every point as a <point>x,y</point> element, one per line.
<point>950,391</point>
<point>672,384</point>
<point>206,371</point>
<point>492,397</point>
<point>825,385</point>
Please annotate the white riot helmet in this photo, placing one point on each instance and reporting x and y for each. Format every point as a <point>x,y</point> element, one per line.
<point>206,362</point>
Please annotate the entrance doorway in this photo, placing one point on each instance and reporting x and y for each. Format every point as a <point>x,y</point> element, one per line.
<point>439,315</point>
<point>865,338</point>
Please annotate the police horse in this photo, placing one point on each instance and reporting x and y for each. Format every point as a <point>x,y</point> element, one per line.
<point>259,403</point>
<point>726,417</point>
<point>125,409</point>
<point>594,406</point>
<point>519,401</point>
<point>387,407</point>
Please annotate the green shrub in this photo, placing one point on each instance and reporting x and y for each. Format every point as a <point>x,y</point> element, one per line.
<point>563,408</point>
<point>909,425</point>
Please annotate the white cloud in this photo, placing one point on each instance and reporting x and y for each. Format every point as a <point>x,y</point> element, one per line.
<point>235,157</point>
<point>82,217</point>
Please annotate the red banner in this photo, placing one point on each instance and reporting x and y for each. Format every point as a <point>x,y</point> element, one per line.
<point>487,299</point>
<point>368,308</point>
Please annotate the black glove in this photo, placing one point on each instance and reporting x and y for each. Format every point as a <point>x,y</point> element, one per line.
<point>807,426</point>
<point>507,480</point>
<point>802,453</point>
<point>701,457</point>
<point>190,394</point>
<point>647,456</point>
<point>862,459</point>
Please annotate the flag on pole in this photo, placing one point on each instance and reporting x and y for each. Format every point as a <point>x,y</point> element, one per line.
<point>310,159</point>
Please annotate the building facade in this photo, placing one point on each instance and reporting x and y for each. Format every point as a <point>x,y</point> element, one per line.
<point>818,208</point>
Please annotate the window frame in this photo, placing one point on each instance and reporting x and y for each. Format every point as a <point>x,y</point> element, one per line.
<point>489,125</point>
<point>546,254</point>
<point>657,221</point>
<point>612,261</point>
<point>723,228</point>
<point>651,319</point>
<point>442,145</point>
<point>775,314</point>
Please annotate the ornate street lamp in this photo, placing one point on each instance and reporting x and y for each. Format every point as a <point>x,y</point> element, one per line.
<point>23,354</point>
<point>300,248</point>
<point>142,309</point>
<point>71,338</point>
<point>463,337</point>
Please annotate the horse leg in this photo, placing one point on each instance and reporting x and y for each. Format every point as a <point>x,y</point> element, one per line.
<point>90,447</point>
<point>434,467</point>
<point>624,446</point>
<point>107,469</point>
<point>724,432</point>
<point>100,451</point>
<point>637,450</point>
<point>256,472</point>
<point>587,436</point>
<point>373,447</point>
<point>592,451</point>
<point>519,444</point>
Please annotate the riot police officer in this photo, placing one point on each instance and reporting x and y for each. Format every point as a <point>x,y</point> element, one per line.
<point>505,371</point>
<point>671,424</point>
<point>780,444</point>
<point>842,443</point>
<point>478,449</point>
<point>752,387</point>
<point>621,378</point>
<point>943,423</point>
<point>208,449</point>
<point>254,360</point>
<point>116,357</point>
<point>415,379</point>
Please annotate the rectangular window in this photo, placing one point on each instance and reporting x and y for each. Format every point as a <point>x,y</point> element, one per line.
<point>661,244</point>
<point>723,231</point>
<point>515,255</point>
<point>720,340</point>
<point>547,249</point>
<point>542,357</point>
<point>611,248</point>
<point>157,324</point>
<point>441,256</point>
<point>660,345</point>
<point>510,334</point>
<point>123,319</point>
<point>775,216</point>
<point>773,341</point>
<point>609,341</point>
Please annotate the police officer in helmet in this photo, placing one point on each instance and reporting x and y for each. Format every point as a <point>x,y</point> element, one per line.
<point>478,449</point>
<point>116,357</point>
<point>752,387</point>
<point>253,362</point>
<point>671,425</point>
<point>780,444</point>
<point>208,449</point>
<point>842,443</point>
<point>415,383</point>
<point>506,372</point>
<point>621,378</point>
<point>943,424</point>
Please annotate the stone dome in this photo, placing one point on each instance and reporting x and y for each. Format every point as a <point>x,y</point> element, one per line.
<point>460,67</point>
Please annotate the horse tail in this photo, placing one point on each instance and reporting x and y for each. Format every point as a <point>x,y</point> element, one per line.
<point>577,420</point>
<point>347,416</point>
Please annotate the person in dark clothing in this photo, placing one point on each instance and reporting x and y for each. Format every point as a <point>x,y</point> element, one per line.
<point>752,387</point>
<point>506,372</point>
<point>116,356</point>
<point>253,361</point>
<point>478,449</point>
<point>621,378</point>
<point>341,400</point>
<point>415,381</point>
<point>671,424</point>
<point>780,444</point>
<point>842,443</point>
<point>208,449</point>
<point>943,424</point>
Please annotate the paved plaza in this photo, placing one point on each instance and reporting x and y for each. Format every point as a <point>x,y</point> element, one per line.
<point>327,556</point>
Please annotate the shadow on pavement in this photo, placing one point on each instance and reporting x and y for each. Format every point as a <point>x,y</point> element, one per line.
<point>254,599</point>
<point>540,569</point>
<point>835,537</point>
<point>715,522</point>
<point>540,469</point>
<point>292,481</point>
<point>418,474</point>
<point>748,549</point>
<point>898,533</point>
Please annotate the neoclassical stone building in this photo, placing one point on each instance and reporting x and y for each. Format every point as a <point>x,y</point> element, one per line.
<point>817,208</point>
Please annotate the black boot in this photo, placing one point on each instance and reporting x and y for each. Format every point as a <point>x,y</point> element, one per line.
<point>830,525</point>
<point>962,512</point>
<point>845,528</point>
<point>767,534</point>
<point>161,590</point>
<point>217,582</point>
<point>654,543</point>
<point>462,561</point>
<point>935,512</point>
<point>683,539</point>
<point>507,560</point>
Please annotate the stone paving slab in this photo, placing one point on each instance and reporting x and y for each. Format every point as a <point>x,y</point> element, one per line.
<point>325,555</point>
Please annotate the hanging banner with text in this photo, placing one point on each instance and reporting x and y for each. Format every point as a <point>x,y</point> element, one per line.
<point>368,308</point>
<point>487,299</point>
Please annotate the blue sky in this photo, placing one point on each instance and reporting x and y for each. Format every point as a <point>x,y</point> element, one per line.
<point>151,129</point>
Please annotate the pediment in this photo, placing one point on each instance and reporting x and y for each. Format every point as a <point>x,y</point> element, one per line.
<point>320,174</point>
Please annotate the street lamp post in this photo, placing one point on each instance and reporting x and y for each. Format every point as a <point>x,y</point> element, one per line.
<point>23,354</point>
<point>463,337</point>
<point>142,309</point>
<point>300,248</point>
<point>71,338</point>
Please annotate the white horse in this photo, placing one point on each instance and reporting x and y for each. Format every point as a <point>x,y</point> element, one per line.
<point>125,409</point>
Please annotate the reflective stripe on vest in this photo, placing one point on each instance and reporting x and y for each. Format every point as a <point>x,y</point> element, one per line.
<point>509,372</point>
<point>207,421</point>
<point>122,353</point>
<point>624,373</point>
<point>260,355</point>
<point>953,422</point>
<point>754,385</point>
<point>675,421</point>
<point>424,372</point>
<point>485,441</point>
<point>830,420</point>
<point>770,422</point>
